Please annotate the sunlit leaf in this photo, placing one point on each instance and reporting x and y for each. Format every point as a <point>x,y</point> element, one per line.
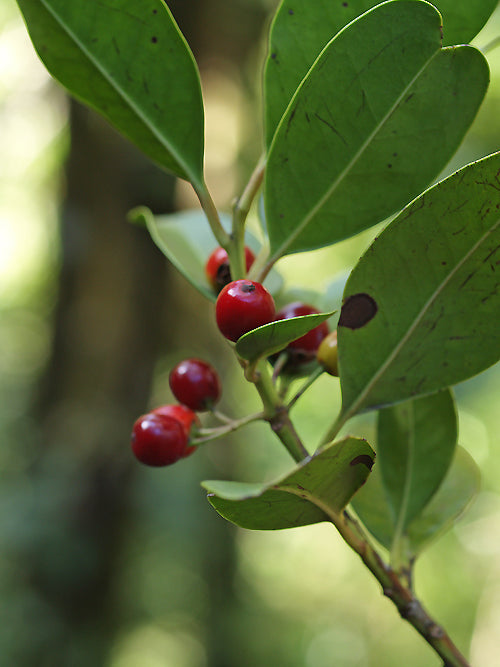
<point>362,135</point>
<point>319,488</point>
<point>129,61</point>
<point>186,239</point>
<point>421,308</point>
<point>301,29</point>
<point>275,336</point>
<point>459,487</point>
<point>415,445</point>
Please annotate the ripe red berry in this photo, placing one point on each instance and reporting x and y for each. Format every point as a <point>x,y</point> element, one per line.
<point>195,383</point>
<point>185,416</point>
<point>243,305</point>
<point>304,348</point>
<point>158,440</point>
<point>217,267</point>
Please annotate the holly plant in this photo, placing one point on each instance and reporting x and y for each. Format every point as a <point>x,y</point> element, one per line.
<point>364,104</point>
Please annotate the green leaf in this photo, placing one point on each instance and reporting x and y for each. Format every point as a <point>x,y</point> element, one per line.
<point>415,445</point>
<point>186,239</point>
<point>362,136</point>
<point>275,336</point>
<point>459,487</point>
<point>318,489</point>
<point>129,61</point>
<point>463,19</point>
<point>421,307</point>
<point>301,29</point>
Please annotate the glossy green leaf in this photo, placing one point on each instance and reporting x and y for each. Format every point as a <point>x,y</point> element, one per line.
<point>363,135</point>
<point>415,445</point>
<point>129,61</point>
<point>275,336</point>
<point>186,239</point>
<point>459,487</point>
<point>301,29</point>
<point>421,307</point>
<point>318,489</point>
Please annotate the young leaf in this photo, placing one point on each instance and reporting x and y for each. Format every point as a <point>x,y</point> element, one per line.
<point>421,307</point>
<point>275,336</point>
<point>459,487</point>
<point>415,445</point>
<point>319,488</point>
<point>186,239</point>
<point>362,135</point>
<point>301,29</point>
<point>129,61</point>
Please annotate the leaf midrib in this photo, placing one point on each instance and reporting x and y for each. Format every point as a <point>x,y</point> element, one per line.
<point>121,93</point>
<point>331,190</point>
<point>408,477</point>
<point>358,403</point>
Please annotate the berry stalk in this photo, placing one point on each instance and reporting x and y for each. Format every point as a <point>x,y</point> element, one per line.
<point>276,413</point>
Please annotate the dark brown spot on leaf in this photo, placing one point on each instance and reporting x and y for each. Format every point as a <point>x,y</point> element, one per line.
<point>357,311</point>
<point>154,39</point>
<point>364,459</point>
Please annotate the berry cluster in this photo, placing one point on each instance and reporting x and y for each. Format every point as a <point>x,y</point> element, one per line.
<point>163,436</point>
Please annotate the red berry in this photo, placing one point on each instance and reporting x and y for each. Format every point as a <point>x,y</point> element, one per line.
<point>195,383</point>
<point>243,305</point>
<point>184,416</point>
<point>217,267</point>
<point>158,440</point>
<point>304,348</point>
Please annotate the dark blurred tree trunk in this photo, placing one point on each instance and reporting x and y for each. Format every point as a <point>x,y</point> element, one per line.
<point>109,327</point>
<point>107,335</point>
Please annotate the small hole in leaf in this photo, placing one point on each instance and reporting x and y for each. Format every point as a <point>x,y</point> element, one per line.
<point>364,459</point>
<point>357,311</point>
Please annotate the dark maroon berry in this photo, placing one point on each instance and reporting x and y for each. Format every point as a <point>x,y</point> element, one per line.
<point>217,267</point>
<point>195,383</point>
<point>243,305</point>
<point>304,348</point>
<point>158,440</point>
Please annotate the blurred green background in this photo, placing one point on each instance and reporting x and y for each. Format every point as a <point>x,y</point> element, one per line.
<point>105,562</point>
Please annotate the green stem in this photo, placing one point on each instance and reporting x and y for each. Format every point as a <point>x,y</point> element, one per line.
<point>310,380</point>
<point>241,209</point>
<point>208,206</point>
<point>265,269</point>
<point>408,605</point>
<point>255,272</point>
<point>277,414</point>
<point>335,428</point>
<point>209,434</point>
